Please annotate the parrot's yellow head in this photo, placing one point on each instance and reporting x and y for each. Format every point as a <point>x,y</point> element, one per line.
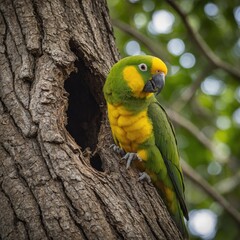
<point>134,78</point>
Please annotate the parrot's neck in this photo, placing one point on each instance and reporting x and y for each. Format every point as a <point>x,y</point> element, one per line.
<point>136,105</point>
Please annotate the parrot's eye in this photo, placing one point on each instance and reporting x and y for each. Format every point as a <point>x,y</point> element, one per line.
<point>142,67</point>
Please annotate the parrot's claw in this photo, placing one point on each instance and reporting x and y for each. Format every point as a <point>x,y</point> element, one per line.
<point>144,176</point>
<point>117,149</point>
<point>129,157</point>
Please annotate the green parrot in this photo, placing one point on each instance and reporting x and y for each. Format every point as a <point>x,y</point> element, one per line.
<point>142,131</point>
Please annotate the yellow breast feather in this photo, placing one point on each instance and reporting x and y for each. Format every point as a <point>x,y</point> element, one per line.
<point>129,129</point>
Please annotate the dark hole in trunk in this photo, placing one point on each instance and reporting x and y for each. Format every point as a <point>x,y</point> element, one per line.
<point>96,162</point>
<point>83,113</point>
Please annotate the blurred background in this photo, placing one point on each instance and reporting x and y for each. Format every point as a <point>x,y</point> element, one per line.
<point>200,43</point>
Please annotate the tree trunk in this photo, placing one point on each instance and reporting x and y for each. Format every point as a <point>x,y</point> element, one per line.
<point>52,186</point>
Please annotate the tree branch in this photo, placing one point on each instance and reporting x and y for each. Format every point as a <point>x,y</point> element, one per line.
<point>228,184</point>
<point>183,122</point>
<point>202,45</point>
<point>192,129</point>
<point>154,48</point>
<point>190,91</point>
<point>204,185</point>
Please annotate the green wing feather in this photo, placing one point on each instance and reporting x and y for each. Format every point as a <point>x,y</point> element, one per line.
<point>165,141</point>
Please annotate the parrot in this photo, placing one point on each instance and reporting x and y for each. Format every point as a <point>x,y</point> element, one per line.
<point>142,131</point>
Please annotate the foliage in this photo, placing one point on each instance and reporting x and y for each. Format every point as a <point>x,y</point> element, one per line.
<point>204,92</point>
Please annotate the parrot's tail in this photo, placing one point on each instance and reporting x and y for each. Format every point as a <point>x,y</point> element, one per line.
<point>179,220</point>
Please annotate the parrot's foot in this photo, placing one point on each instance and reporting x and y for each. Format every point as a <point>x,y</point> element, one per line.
<point>129,157</point>
<point>144,176</point>
<point>117,149</point>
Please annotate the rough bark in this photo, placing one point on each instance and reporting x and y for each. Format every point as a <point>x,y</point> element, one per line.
<point>50,186</point>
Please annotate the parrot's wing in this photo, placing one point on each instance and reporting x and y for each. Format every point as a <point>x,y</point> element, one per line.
<point>166,142</point>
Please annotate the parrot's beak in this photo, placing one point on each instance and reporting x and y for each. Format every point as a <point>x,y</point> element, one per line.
<point>155,84</point>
